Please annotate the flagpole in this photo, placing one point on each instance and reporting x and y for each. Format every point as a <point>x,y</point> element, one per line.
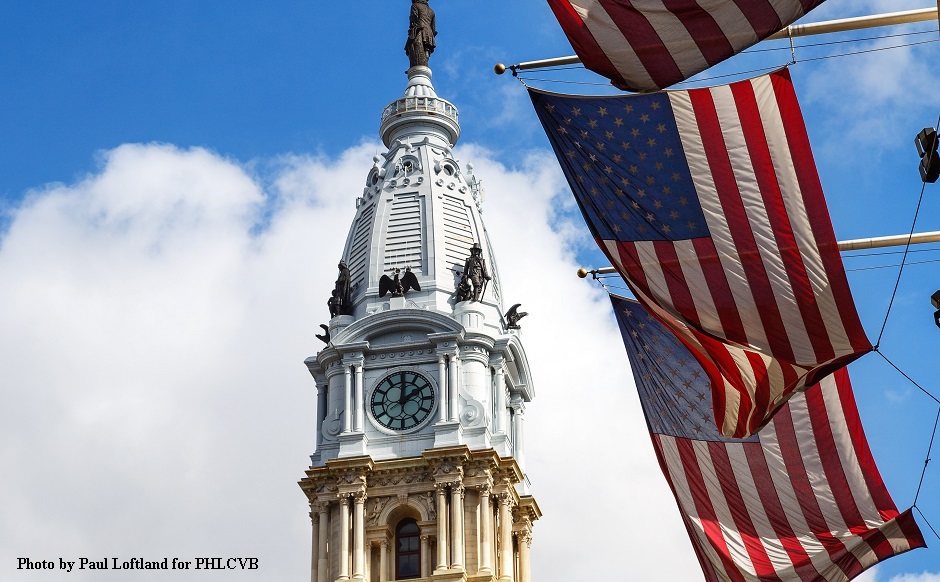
<point>826,27</point>
<point>897,240</point>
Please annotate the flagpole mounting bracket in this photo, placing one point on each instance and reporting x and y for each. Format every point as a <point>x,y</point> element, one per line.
<point>583,273</point>
<point>500,68</point>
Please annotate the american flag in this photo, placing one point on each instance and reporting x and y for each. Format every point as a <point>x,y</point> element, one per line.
<point>708,203</point>
<point>802,500</point>
<point>645,45</point>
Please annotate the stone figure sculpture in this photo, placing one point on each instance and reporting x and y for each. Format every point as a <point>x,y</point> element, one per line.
<point>340,301</point>
<point>475,271</point>
<point>421,33</point>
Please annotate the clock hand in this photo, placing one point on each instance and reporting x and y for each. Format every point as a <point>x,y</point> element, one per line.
<point>414,391</point>
<point>401,390</point>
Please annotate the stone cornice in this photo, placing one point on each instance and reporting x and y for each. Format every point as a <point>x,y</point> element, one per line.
<point>529,507</point>
<point>352,350</point>
<point>444,466</point>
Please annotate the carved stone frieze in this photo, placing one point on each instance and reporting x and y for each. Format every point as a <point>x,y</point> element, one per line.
<point>448,470</point>
<point>326,488</point>
<point>351,479</point>
<point>399,478</point>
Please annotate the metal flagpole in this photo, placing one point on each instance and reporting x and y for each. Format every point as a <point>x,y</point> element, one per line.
<point>829,26</point>
<point>898,240</point>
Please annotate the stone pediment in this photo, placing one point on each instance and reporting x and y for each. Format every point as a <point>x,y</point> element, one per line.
<point>397,326</point>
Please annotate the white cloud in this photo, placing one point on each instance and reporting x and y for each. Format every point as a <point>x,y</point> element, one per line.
<point>922,577</point>
<point>154,398</point>
<point>873,575</point>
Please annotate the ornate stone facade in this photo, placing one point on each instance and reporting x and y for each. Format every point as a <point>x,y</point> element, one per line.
<point>464,502</point>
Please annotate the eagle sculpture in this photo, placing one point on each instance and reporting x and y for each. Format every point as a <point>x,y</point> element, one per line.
<point>513,316</point>
<point>325,338</point>
<point>398,286</point>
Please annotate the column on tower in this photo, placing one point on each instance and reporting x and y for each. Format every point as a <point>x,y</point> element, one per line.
<point>358,400</point>
<point>505,537</point>
<point>322,407</point>
<point>524,542</point>
<point>425,557</point>
<point>442,375</point>
<point>456,506</point>
<point>315,542</point>
<point>486,535</point>
<point>518,433</point>
<point>454,391</point>
<point>359,550</point>
<point>441,526</point>
<point>499,421</point>
<point>383,562</point>
<point>323,561</point>
<point>347,399</point>
<point>343,536</point>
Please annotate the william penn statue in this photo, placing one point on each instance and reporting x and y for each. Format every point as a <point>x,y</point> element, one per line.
<point>421,33</point>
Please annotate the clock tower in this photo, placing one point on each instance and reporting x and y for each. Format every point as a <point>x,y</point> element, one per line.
<point>419,469</point>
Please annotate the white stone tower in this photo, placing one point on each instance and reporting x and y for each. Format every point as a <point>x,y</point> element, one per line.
<point>419,470</point>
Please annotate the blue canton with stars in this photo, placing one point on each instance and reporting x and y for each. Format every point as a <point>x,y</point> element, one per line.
<point>625,164</point>
<point>674,389</point>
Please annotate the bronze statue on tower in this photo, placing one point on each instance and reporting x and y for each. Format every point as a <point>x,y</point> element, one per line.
<point>421,33</point>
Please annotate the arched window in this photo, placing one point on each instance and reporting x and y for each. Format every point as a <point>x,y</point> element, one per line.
<point>407,550</point>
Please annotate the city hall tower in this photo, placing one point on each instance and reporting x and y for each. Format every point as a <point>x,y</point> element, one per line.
<point>419,469</point>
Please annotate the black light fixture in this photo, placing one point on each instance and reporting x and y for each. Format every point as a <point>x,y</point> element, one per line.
<point>935,299</point>
<point>926,142</point>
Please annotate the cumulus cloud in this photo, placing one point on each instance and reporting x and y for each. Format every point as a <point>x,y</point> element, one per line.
<point>155,401</point>
<point>873,575</point>
<point>922,577</point>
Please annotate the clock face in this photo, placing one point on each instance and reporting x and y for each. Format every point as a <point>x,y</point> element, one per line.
<point>402,400</point>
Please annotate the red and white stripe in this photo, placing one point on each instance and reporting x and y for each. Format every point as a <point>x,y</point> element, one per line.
<point>645,45</point>
<point>805,503</point>
<point>763,302</point>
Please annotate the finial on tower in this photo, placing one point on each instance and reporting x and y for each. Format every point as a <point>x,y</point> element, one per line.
<point>421,33</point>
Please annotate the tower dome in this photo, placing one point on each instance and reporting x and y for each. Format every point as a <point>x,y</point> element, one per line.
<point>420,211</point>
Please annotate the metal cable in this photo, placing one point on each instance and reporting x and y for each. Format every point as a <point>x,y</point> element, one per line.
<point>927,460</point>
<point>907,247</point>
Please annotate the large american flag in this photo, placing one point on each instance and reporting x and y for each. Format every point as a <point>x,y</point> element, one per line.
<point>708,203</point>
<point>644,45</point>
<point>802,500</point>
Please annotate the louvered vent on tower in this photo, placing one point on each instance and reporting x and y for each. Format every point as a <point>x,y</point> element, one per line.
<point>360,244</point>
<point>458,232</point>
<point>404,236</point>
<point>494,271</point>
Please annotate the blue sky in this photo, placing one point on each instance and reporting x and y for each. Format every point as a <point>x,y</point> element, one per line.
<point>171,173</point>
